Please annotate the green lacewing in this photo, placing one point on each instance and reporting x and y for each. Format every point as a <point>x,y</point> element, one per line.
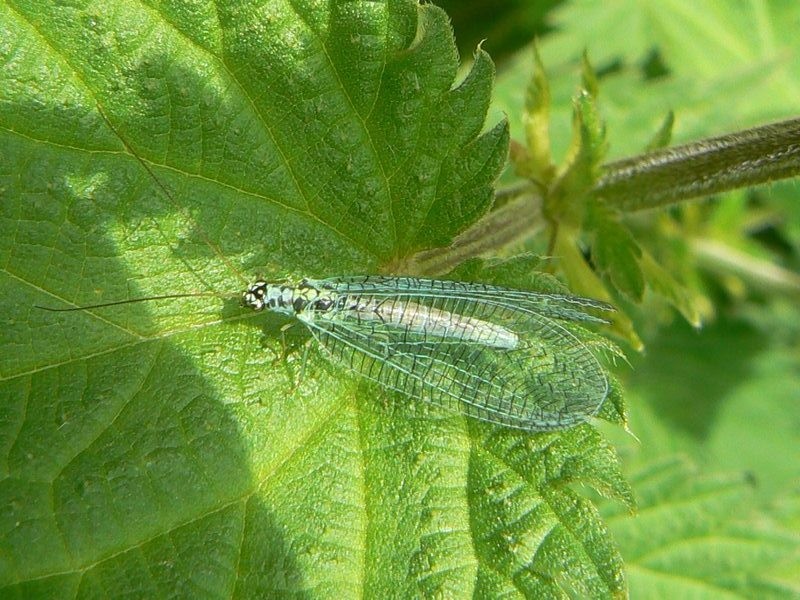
<point>496,354</point>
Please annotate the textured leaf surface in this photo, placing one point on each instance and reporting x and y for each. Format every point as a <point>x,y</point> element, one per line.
<point>183,447</point>
<point>702,540</point>
<point>726,68</point>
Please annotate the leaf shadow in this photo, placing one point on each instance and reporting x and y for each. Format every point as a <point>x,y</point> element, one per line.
<point>687,374</point>
<point>278,575</point>
<point>121,454</point>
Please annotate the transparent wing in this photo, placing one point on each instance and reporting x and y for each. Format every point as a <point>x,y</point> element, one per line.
<point>558,306</point>
<point>549,381</point>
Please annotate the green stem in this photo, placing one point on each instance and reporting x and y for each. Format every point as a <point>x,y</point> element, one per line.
<point>651,180</point>
<point>763,274</point>
<point>746,158</point>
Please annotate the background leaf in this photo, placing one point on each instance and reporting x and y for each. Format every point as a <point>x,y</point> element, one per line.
<point>723,392</point>
<point>616,253</point>
<point>721,69</point>
<point>702,540</point>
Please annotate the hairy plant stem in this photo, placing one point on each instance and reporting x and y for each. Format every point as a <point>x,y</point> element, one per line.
<point>652,180</point>
<point>664,177</point>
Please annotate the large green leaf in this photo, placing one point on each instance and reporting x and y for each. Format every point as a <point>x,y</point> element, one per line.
<point>186,448</point>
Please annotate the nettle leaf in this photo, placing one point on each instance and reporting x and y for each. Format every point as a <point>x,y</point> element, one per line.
<point>615,252</point>
<point>702,66</point>
<point>186,447</point>
<point>701,538</point>
<point>666,286</point>
<point>567,198</point>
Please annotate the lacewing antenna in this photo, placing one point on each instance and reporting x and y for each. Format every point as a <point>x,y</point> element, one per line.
<point>134,300</point>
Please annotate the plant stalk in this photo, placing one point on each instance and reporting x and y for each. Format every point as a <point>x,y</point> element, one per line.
<point>664,177</point>
<point>656,179</point>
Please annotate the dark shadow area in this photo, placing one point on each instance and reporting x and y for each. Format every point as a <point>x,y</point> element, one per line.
<point>278,575</point>
<point>123,449</point>
<point>503,26</point>
<point>686,373</point>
